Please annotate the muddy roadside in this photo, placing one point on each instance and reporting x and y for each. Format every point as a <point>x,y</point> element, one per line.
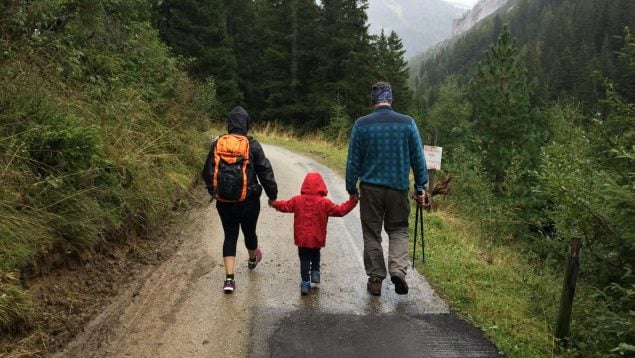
<point>68,290</point>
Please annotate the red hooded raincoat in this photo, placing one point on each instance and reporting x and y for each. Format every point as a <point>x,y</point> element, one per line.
<point>311,211</point>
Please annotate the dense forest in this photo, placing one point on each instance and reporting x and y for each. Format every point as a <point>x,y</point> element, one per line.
<point>535,111</point>
<point>104,107</point>
<point>289,61</point>
<point>569,48</point>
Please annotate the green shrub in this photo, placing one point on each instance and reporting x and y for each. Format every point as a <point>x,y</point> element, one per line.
<point>65,146</point>
<point>340,123</point>
<point>473,195</point>
<point>592,200</point>
<point>206,99</point>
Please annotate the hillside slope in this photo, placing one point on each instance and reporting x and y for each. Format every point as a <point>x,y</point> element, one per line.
<point>101,135</point>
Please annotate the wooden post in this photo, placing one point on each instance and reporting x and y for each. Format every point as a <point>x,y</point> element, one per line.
<point>568,290</point>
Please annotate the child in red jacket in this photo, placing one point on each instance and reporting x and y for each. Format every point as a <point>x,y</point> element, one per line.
<point>311,213</point>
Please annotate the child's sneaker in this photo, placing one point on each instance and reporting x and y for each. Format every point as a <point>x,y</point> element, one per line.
<point>315,277</point>
<point>252,263</point>
<point>229,286</point>
<point>305,287</point>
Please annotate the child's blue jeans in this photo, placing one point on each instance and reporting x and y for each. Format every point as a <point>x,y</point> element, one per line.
<point>309,261</point>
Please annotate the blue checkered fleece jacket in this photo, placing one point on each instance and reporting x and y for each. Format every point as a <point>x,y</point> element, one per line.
<point>384,145</point>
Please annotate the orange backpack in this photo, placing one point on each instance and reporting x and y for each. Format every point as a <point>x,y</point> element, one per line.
<point>231,158</point>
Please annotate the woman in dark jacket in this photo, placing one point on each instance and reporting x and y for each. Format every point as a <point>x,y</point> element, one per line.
<point>244,214</point>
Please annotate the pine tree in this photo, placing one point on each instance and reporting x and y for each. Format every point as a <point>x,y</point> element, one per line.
<point>276,67</point>
<point>391,67</point>
<point>345,66</point>
<point>197,31</point>
<point>307,16</point>
<point>500,94</point>
<point>289,60</point>
<point>450,116</point>
<point>242,22</point>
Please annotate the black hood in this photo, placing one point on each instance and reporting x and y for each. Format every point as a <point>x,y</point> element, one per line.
<point>238,121</point>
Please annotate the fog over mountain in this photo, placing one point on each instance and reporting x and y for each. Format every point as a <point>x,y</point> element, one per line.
<point>419,23</point>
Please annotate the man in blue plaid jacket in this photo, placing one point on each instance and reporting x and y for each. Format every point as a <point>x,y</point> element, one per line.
<point>383,147</point>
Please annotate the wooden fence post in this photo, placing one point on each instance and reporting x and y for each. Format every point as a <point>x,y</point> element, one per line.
<point>568,290</point>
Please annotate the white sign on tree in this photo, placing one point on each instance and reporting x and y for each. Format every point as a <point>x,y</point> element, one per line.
<point>433,157</point>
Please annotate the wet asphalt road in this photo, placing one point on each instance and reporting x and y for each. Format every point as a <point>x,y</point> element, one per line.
<point>179,310</point>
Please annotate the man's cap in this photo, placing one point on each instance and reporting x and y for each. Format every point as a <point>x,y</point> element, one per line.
<point>382,92</point>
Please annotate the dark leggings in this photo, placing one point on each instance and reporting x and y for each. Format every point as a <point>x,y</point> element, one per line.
<point>235,216</point>
<point>309,261</point>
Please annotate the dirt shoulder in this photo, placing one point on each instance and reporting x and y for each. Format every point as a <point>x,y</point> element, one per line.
<point>67,291</point>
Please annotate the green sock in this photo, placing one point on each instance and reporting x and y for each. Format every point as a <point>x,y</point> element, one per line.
<point>229,277</point>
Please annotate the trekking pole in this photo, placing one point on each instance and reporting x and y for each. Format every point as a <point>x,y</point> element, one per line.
<point>423,241</point>
<point>414,244</point>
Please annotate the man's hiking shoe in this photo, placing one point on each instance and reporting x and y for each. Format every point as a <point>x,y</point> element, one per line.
<point>315,277</point>
<point>229,286</point>
<point>305,287</point>
<point>252,263</point>
<point>374,286</point>
<point>401,287</point>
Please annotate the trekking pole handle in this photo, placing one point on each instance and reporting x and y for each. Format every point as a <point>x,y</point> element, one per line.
<point>420,198</point>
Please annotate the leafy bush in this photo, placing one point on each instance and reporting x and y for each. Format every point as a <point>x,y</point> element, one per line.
<point>612,330</point>
<point>206,99</point>
<point>473,195</point>
<point>593,201</point>
<point>65,146</point>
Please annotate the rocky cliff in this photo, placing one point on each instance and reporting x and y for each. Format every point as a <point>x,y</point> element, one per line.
<point>481,10</point>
